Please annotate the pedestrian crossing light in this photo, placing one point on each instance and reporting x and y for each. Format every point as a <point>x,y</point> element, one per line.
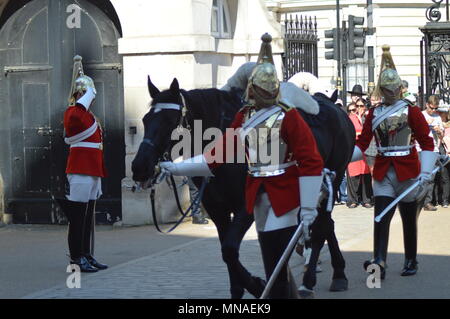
<point>356,38</point>
<point>333,44</point>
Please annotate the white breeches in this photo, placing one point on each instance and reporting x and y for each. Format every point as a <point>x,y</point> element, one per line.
<point>84,188</point>
<point>265,218</point>
<point>391,187</point>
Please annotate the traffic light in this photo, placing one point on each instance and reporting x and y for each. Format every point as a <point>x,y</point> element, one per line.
<point>333,44</point>
<point>355,38</point>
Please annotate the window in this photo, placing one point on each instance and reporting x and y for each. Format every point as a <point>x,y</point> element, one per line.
<point>220,19</point>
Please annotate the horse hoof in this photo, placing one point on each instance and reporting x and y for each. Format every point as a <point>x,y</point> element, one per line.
<point>237,294</point>
<point>339,284</point>
<point>257,287</point>
<point>305,293</point>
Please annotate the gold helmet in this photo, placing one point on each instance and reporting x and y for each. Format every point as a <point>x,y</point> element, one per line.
<point>80,81</point>
<point>264,75</point>
<point>389,78</point>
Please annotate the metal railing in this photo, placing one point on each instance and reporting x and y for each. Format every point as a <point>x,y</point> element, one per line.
<point>300,46</point>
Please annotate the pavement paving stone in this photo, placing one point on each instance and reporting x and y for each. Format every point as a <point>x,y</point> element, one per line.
<point>196,271</point>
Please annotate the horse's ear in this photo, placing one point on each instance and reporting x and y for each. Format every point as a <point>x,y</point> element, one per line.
<point>152,89</point>
<point>175,87</point>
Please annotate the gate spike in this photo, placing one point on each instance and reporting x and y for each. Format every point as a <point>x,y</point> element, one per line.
<point>315,25</point>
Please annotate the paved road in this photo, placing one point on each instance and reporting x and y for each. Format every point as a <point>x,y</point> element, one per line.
<point>187,264</point>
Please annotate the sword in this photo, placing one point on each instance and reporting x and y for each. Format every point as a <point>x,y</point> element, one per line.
<point>284,258</point>
<point>410,189</point>
<point>93,232</point>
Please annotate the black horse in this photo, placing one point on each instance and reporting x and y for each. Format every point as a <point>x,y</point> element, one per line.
<point>335,136</point>
<point>224,194</point>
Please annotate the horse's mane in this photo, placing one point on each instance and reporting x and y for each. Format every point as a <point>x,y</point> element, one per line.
<point>215,107</point>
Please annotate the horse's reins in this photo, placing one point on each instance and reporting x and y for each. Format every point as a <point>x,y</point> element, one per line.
<point>158,178</point>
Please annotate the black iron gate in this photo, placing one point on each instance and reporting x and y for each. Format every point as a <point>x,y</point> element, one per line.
<point>37,47</point>
<point>300,46</point>
<point>435,56</point>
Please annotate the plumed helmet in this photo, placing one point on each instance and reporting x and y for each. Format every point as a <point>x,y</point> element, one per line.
<point>264,75</point>
<point>389,77</point>
<point>80,81</point>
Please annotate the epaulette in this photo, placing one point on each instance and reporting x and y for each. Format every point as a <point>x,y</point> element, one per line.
<point>285,106</point>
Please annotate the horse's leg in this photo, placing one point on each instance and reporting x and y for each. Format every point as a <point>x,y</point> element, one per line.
<point>240,224</point>
<point>319,230</point>
<point>222,220</point>
<point>339,282</point>
<point>309,277</point>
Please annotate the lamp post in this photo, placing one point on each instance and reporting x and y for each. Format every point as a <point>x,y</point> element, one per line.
<point>338,23</point>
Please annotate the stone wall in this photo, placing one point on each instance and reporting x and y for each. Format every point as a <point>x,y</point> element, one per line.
<point>173,39</point>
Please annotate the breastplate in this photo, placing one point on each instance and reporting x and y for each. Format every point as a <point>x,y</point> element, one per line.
<point>393,136</point>
<point>266,150</point>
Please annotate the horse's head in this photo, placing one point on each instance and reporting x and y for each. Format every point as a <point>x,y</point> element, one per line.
<point>159,122</point>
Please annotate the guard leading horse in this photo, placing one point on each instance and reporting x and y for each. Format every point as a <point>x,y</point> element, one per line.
<point>224,194</point>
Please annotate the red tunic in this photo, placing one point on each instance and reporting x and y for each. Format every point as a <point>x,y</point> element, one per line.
<point>83,160</point>
<point>283,190</point>
<point>358,167</point>
<point>406,167</point>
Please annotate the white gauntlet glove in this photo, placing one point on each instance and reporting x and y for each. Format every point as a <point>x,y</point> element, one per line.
<point>427,164</point>
<point>195,166</point>
<point>307,216</point>
<point>87,98</point>
<point>309,196</point>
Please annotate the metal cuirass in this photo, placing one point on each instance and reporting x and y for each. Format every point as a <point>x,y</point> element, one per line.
<point>393,135</point>
<point>266,150</point>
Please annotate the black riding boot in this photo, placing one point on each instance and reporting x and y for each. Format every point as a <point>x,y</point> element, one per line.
<point>88,236</point>
<point>381,234</point>
<point>410,213</point>
<point>76,212</point>
<point>273,244</point>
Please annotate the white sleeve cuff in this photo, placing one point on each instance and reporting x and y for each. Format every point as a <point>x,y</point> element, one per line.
<point>194,166</point>
<point>310,191</point>
<point>427,161</point>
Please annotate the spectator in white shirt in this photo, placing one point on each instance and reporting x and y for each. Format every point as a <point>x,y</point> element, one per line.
<point>436,131</point>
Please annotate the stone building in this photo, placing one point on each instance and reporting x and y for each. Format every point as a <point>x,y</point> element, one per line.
<point>201,42</point>
<point>397,24</point>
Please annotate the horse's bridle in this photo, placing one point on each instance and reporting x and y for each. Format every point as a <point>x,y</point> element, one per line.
<point>158,177</point>
<point>183,120</point>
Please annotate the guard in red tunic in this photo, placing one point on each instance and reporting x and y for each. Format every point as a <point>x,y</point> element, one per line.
<point>280,189</point>
<point>85,168</point>
<point>396,125</point>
